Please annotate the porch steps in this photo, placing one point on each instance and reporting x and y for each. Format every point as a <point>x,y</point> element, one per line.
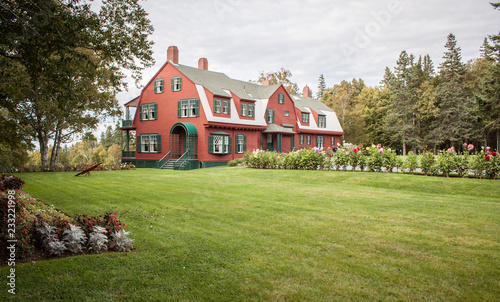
<point>168,166</point>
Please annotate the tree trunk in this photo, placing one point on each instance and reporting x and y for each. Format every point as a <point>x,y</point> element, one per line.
<point>43,141</point>
<point>498,139</point>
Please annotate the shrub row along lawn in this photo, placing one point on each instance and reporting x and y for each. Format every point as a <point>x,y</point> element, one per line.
<point>241,234</point>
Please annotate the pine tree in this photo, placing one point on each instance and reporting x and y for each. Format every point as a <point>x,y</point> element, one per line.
<point>400,119</point>
<point>321,87</point>
<point>455,123</point>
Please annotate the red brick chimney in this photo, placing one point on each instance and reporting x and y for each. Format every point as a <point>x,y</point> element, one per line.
<point>173,54</point>
<point>266,83</point>
<point>306,92</point>
<point>203,63</point>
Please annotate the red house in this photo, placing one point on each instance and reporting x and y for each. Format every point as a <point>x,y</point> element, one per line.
<point>188,118</point>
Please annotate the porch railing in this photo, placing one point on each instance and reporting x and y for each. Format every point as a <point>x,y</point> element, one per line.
<point>126,123</point>
<point>128,154</point>
<point>182,161</point>
<point>164,160</point>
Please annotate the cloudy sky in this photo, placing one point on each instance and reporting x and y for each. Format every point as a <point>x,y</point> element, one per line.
<point>342,39</point>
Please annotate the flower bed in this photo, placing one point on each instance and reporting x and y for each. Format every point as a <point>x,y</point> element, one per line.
<point>40,226</point>
<point>482,164</point>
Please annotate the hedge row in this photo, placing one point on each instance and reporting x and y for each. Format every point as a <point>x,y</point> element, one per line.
<point>482,164</point>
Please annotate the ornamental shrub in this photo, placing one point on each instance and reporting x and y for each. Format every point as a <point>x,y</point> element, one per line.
<point>427,161</point>
<point>411,162</point>
<point>74,238</point>
<point>98,240</point>
<point>389,160</point>
<point>446,162</point>
<point>120,241</point>
<point>10,182</point>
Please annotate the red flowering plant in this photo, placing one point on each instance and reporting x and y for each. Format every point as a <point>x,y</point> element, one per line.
<point>112,224</point>
<point>492,167</point>
<point>428,163</point>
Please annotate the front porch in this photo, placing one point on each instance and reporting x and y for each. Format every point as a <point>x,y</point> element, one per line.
<point>278,138</point>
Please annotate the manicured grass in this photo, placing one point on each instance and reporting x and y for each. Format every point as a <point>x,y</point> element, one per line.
<point>238,234</point>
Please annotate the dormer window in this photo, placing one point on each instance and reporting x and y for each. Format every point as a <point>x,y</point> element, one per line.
<point>321,121</point>
<point>244,108</point>
<point>225,107</point>
<point>305,117</point>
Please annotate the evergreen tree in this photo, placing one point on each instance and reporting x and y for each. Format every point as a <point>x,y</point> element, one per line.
<point>455,123</point>
<point>400,119</point>
<point>321,87</point>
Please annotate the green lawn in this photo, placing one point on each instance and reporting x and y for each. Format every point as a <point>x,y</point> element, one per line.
<point>238,234</point>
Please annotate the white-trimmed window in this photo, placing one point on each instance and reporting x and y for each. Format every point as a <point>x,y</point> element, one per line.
<point>176,83</point>
<point>333,141</point>
<point>225,107</point>
<point>184,108</point>
<point>241,143</point>
<point>188,108</point>
<point>281,98</point>
<point>244,107</point>
<point>320,141</point>
<point>321,121</point>
<point>270,116</point>
<point>159,86</point>
<point>286,113</point>
<point>305,117</point>
<point>150,143</point>
<point>145,113</point>
<point>251,110</point>
<point>148,112</point>
<point>219,143</point>
<point>301,139</point>
<point>308,140</point>
<point>217,106</point>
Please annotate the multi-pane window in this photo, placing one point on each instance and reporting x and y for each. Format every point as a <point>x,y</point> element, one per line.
<point>150,143</point>
<point>241,143</point>
<point>217,106</point>
<point>308,140</point>
<point>301,139</point>
<point>270,116</point>
<point>148,112</point>
<point>320,141</point>
<point>305,117</point>
<point>184,108</point>
<point>281,98</point>
<point>251,110</point>
<point>219,143</point>
<point>225,107</point>
<point>333,140</point>
<point>286,113</point>
<point>193,107</point>
<point>321,121</point>
<point>226,144</point>
<point>158,86</point>
<point>176,83</point>
<point>244,107</point>
<point>188,108</point>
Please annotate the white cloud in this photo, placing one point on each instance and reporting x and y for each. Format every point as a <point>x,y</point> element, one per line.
<point>242,38</point>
